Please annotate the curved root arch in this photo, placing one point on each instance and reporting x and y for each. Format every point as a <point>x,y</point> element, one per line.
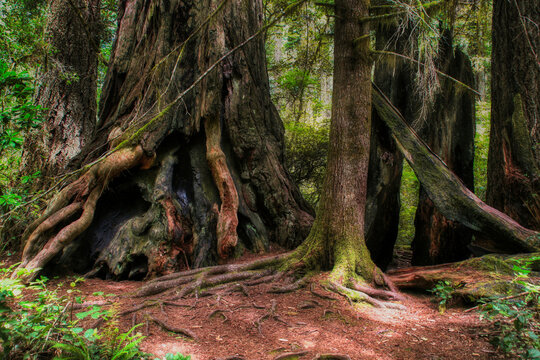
<point>81,196</point>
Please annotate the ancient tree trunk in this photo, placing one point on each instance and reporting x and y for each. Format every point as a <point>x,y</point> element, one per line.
<point>514,151</point>
<point>449,132</point>
<point>67,90</point>
<point>448,193</point>
<point>336,239</point>
<point>187,87</point>
<point>395,77</point>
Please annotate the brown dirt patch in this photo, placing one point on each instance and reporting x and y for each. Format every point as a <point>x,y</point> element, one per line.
<point>226,325</point>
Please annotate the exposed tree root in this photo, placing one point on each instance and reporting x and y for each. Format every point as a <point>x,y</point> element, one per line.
<point>224,279</point>
<point>332,357</point>
<point>322,296</point>
<point>211,276</point>
<point>290,355</point>
<point>81,194</point>
<point>184,332</point>
<point>271,314</point>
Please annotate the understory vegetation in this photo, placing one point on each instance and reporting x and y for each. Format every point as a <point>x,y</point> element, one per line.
<point>44,321</point>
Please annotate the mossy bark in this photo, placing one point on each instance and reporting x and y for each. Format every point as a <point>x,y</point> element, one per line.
<point>211,175</point>
<point>67,91</point>
<point>514,154</point>
<point>336,240</point>
<point>449,132</point>
<point>473,279</point>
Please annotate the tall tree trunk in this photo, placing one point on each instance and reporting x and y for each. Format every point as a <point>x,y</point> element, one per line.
<point>395,77</point>
<point>336,240</point>
<point>449,132</point>
<point>67,90</point>
<point>186,104</point>
<point>514,151</point>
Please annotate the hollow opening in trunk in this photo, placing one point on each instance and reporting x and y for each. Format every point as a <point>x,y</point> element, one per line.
<point>121,202</point>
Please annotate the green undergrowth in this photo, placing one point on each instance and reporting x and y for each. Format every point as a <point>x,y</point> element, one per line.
<point>511,307</point>
<point>37,321</point>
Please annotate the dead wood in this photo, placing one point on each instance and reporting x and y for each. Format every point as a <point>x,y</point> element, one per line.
<point>445,189</point>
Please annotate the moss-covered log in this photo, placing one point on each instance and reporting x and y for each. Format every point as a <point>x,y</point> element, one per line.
<point>448,193</point>
<point>187,85</point>
<point>449,132</point>
<point>473,279</point>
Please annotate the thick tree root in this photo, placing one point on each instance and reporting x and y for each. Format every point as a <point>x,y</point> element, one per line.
<point>81,194</point>
<point>355,295</point>
<point>223,279</point>
<point>212,276</point>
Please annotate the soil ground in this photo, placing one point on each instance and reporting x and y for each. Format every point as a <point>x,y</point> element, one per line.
<point>234,324</point>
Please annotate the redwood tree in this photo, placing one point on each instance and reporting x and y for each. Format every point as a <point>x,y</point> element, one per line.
<point>395,77</point>
<point>336,240</point>
<point>514,151</point>
<point>186,166</point>
<point>67,89</point>
<point>449,132</point>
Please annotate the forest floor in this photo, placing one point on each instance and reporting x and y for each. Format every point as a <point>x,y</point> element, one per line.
<point>259,325</point>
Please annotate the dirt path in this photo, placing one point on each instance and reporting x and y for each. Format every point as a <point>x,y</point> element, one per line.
<point>243,324</point>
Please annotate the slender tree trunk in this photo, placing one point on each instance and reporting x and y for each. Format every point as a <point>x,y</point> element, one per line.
<point>449,132</point>
<point>336,240</point>
<point>186,101</point>
<point>67,90</point>
<point>514,151</point>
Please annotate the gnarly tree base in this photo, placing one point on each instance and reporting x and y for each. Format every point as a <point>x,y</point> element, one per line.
<point>473,279</point>
<point>79,198</point>
<point>289,271</point>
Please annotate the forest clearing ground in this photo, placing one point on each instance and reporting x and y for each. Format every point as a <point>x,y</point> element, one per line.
<point>245,325</point>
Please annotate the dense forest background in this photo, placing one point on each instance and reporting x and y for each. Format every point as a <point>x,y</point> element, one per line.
<point>300,64</point>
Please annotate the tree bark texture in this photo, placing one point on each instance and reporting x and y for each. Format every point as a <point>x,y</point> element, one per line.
<point>395,77</point>
<point>336,240</point>
<point>210,180</point>
<point>514,150</point>
<point>448,193</point>
<point>67,90</point>
<point>449,133</point>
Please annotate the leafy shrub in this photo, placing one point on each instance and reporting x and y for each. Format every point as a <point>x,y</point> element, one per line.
<point>35,324</point>
<point>515,318</point>
<point>305,157</point>
<point>444,292</point>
